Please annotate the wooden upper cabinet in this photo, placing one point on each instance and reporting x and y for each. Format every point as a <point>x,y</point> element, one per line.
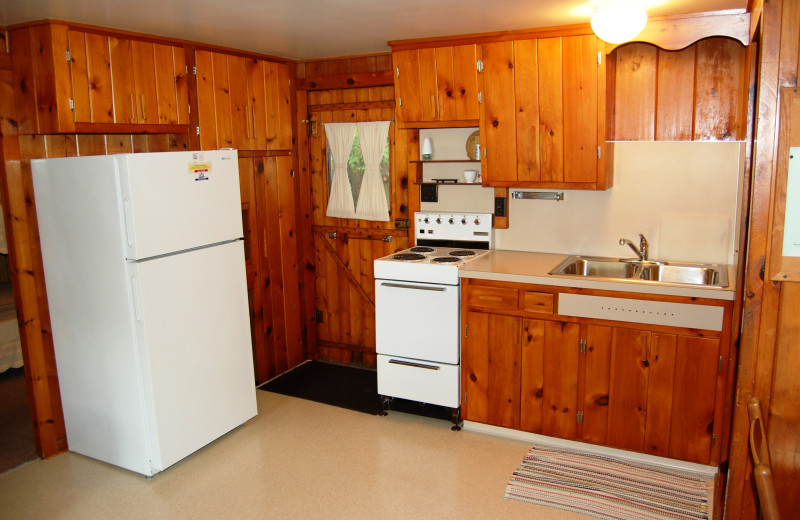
<point>243,103</point>
<point>543,113</point>
<point>72,80</point>
<point>437,86</point>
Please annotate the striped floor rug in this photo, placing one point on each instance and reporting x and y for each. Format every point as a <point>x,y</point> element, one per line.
<point>607,487</point>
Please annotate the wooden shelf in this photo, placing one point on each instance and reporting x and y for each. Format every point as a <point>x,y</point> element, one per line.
<point>449,183</point>
<point>443,161</point>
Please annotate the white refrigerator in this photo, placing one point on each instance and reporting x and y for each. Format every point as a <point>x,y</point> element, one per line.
<point>145,275</point>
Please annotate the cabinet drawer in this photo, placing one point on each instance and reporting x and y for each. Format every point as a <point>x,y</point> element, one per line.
<point>538,302</point>
<point>492,297</point>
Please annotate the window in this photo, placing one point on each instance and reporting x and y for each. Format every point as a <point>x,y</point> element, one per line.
<point>355,170</point>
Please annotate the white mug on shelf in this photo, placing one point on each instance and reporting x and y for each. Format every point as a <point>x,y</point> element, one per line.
<point>470,175</point>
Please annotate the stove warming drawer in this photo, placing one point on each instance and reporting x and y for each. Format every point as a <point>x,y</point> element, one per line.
<point>423,381</point>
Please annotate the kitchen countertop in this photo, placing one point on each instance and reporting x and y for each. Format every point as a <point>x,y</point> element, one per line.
<point>526,267</point>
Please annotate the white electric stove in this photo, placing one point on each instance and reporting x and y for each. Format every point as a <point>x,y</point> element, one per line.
<point>417,309</point>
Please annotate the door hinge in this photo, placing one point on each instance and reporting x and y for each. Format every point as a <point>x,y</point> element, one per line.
<point>399,101</point>
<point>719,365</point>
<point>194,70</point>
<point>198,130</point>
<point>480,97</point>
<point>600,58</point>
<point>397,69</point>
<point>582,346</point>
<point>713,439</point>
<point>69,57</point>
<point>479,65</point>
<point>579,418</point>
<point>318,316</point>
<point>599,152</point>
<point>71,104</point>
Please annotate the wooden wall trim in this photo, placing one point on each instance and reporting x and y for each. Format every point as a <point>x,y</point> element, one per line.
<point>356,80</point>
<point>362,105</point>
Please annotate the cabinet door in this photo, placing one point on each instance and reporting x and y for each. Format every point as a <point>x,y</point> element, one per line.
<point>279,108</point>
<point>241,131</point>
<point>429,89</point>
<point>560,381</point>
<point>627,406</point>
<point>407,85</point>
<point>257,103</point>
<point>532,375</point>
<point>498,120</point>
<point>551,110</point>
<point>490,369</point>
<point>465,82</point>
<point>580,70</point>
<point>170,85</point>
<point>597,384</point>
<point>206,105</point>
<point>90,69</point>
<point>144,76</point>
<point>122,78</point>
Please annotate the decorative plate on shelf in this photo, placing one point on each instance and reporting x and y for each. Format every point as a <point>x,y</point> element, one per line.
<point>473,145</point>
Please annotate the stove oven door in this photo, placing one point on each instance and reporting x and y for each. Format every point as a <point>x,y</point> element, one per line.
<point>417,320</point>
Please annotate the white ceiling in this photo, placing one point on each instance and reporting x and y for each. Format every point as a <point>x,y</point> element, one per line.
<point>306,29</point>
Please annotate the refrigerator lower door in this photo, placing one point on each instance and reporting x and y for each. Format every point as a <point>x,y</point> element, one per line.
<point>192,318</point>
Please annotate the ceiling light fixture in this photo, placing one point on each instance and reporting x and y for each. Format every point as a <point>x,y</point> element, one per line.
<point>618,21</point>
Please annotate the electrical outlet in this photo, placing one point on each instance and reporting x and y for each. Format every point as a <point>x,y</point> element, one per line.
<point>499,206</point>
<point>428,193</point>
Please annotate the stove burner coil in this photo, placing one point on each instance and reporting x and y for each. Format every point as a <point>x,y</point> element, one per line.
<point>462,252</point>
<point>408,256</point>
<point>422,249</point>
<point>445,259</point>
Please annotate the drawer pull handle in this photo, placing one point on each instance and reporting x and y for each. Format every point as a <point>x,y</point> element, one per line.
<point>415,365</point>
<point>421,288</point>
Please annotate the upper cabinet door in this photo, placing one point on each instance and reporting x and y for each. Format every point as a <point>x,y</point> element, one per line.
<point>437,86</point>
<point>90,72</point>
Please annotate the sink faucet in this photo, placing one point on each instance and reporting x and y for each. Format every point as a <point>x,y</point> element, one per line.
<point>641,251</point>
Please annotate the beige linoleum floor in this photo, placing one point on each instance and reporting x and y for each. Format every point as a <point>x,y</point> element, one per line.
<point>297,459</point>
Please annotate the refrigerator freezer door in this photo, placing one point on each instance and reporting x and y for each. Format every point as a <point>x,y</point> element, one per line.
<point>178,200</point>
<point>192,315</point>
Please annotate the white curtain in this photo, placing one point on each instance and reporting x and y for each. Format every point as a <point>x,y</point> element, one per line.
<point>372,197</point>
<point>340,141</point>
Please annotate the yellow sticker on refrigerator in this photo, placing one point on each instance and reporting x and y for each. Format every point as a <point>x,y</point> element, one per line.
<point>200,171</point>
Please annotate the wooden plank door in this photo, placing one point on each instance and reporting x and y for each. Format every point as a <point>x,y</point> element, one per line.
<point>579,72</point>
<point>168,72</point>
<point>241,130</point>
<point>465,82</point>
<point>445,107</point>
<point>526,88</point>
<point>498,121</point>
<point>206,104</point>
<point>627,406</point>
<point>551,110</point>
<point>490,368</point>
<point>407,85</point>
<point>560,394</point>
<point>90,69</point>
<point>122,79</point>
<point>257,103</point>
<point>597,384</point>
<point>144,76</point>
<point>532,375</point>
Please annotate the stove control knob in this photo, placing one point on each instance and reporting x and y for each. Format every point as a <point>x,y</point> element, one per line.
<point>438,220</point>
<point>452,220</point>
<point>426,220</point>
<point>464,221</point>
<point>477,221</point>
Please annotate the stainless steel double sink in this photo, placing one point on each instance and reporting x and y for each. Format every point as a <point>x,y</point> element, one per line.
<point>708,275</point>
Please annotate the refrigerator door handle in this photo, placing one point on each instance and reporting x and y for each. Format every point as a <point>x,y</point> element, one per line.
<point>137,302</point>
<point>126,204</point>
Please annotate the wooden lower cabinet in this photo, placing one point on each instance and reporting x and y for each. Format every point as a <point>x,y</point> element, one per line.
<point>649,389</point>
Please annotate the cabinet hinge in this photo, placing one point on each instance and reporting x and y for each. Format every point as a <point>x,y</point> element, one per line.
<point>465,330</point>
<point>290,83</point>
<point>713,439</point>
<point>600,58</point>
<point>582,346</point>
<point>69,57</point>
<point>599,152</point>
<point>399,101</point>
<point>480,97</point>
<point>198,130</point>
<point>71,104</point>
<point>397,69</point>
<point>719,365</point>
<point>194,70</point>
<point>579,418</point>
<point>479,65</point>
<point>465,398</point>
<point>292,172</point>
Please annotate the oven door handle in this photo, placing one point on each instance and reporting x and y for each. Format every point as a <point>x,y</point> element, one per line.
<point>421,288</point>
<point>415,365</point>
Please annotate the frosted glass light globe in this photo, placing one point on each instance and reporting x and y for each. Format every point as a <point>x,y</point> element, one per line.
<point>618,21</point>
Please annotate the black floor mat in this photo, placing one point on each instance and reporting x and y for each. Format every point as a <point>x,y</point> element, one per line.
<point>354,388</point>
<point>345,386</point>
